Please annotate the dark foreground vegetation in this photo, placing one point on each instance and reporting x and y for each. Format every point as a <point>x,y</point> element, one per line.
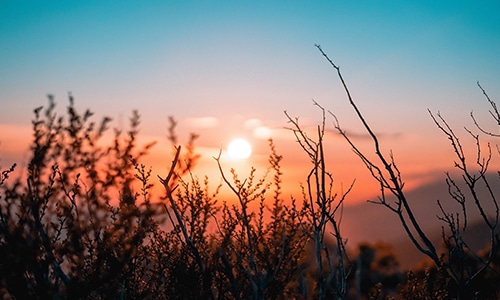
<point>82,224</point>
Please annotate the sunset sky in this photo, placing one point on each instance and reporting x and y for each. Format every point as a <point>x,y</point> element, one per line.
<point>228,69</point>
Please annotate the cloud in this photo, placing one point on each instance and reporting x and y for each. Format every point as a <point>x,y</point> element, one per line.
<point>203,122</point>
<point>365,135</point>
<point>262,132</point>
<point>276,133</point>
<point>253,123</point>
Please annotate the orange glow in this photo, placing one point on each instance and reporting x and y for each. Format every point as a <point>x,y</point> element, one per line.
<point>418,167</point>
<point>421,159</point>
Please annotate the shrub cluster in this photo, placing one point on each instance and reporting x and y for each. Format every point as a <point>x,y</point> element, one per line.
<point>81,224</point>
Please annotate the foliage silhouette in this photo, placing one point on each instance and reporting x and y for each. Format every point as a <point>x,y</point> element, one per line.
<point>83,225</point>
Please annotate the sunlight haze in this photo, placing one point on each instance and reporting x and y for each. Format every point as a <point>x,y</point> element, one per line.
<point>231,68</point>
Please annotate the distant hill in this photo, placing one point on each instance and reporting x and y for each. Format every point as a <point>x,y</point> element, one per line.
<point>368,222</point>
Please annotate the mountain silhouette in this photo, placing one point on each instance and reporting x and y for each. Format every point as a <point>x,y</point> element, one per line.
<point>369,222</point>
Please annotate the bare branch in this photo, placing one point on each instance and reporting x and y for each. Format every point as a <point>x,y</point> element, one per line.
<point>495,114</point>
<point>392,181</point>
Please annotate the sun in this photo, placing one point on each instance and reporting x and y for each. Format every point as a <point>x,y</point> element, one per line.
<point>239,149</point>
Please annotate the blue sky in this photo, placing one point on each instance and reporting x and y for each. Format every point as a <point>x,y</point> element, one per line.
<point>218,66</point>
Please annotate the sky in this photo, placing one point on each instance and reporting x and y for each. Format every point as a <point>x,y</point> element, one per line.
<point>227,69</point>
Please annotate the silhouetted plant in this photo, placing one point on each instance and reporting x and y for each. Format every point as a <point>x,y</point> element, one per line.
<point>459,263</point>
<point>78,229</point>
<point>428,283</point>
<point>60,232</point>
<point>323,209</point>
<point>376,273</point>
<point>266,256</point>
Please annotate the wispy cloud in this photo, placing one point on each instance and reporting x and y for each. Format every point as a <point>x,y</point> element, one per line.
<point>262,132</point>
<point>203,122</point>
<point>365,135</point>
<point>267,129</point>
<point>252,123</point>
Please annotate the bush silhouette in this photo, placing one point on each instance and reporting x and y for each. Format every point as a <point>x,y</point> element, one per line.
<point>82,224</point>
